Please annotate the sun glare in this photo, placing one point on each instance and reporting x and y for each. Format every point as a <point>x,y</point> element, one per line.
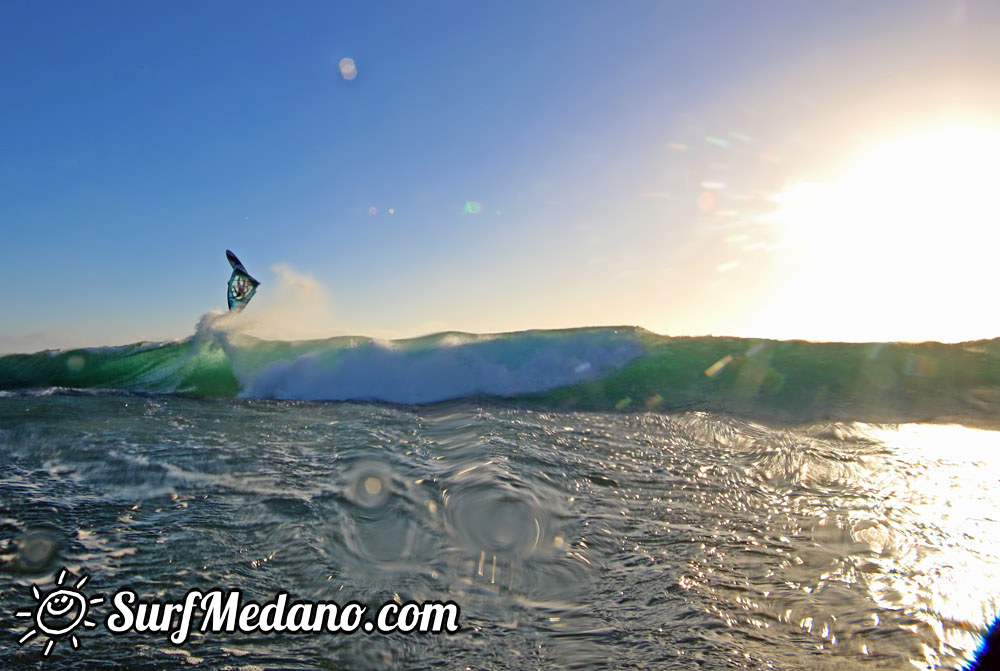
<point>901,246</point>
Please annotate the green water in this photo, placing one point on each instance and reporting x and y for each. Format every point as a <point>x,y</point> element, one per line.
<point>597,369</point>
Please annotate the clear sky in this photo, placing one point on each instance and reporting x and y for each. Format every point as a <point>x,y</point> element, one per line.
<point>824,170</point>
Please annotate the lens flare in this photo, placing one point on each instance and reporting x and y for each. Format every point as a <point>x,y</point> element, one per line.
<point>347,69</point>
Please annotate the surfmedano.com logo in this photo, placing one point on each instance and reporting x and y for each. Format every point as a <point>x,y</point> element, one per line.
<point>58,613</point>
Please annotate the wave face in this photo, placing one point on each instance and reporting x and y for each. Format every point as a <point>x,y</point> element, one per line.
<point>433,368</point>
<point>589,368</point>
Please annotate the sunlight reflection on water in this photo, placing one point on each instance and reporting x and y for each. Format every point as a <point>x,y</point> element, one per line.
<point>570,539</point>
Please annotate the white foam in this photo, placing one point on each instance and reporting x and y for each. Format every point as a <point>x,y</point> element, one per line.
<point>448,368</point>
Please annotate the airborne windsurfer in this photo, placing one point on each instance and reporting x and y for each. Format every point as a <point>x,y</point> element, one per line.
<point>241,287</point>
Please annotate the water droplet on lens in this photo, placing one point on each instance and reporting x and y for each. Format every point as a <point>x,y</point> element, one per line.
<point>369,485</point>
<point>37,551</point>
<point>495,519</point>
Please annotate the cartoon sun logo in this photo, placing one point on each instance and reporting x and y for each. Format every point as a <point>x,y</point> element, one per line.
<point>59,612</point>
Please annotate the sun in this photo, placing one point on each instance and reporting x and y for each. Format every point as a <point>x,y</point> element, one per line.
<point>901,245</point>
<point>59,612</point>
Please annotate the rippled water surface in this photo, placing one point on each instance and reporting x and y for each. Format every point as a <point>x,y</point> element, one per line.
<point>569,539</point>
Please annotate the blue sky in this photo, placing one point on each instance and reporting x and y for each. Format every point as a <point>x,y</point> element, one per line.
<point>545,164</point>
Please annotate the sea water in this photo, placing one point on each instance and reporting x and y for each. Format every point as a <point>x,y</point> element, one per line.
<point>655,505</point>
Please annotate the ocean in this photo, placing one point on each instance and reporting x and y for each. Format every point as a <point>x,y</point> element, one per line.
<point>598,498</point>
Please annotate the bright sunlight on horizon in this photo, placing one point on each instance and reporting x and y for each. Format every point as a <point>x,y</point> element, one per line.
<point>901,243</point>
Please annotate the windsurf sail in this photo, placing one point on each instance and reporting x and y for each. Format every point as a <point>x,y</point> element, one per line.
<point>241,286</point>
